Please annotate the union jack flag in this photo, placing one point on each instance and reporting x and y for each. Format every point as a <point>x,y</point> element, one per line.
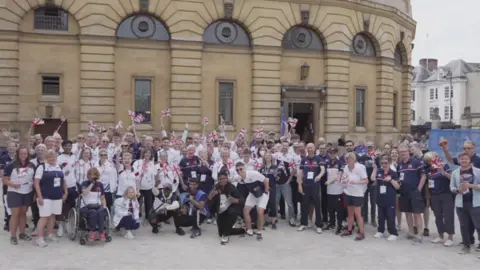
<point>119,125</point>
<point>176,169</point>
<point>131,114</point>
<point>139,118</point>
<point>38,121</point>
<point>243,132</point>
<point>213,135</point>
<point>166,113</point>
<point>91,126</point>
<point>257,165</point>
<point>205,121</point>
<point>292,165</point>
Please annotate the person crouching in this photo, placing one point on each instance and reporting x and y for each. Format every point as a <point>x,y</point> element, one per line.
<point>228,201</point>
<point>165,206</point>
<point>127,213</point>
<point>193,209</point>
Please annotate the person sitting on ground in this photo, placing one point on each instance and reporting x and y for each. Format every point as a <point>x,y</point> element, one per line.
<point>164,207</point>
<point>127,212</point>
<point>93,205</point>
<point>227,201</point>
<point>193,209</point>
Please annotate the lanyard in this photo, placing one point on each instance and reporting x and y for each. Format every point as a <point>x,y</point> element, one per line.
<point>310,164</point>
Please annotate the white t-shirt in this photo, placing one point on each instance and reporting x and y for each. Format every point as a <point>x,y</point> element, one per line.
<point>126,178</point>
<point>250,177</point>
<point>20,176</point>
<point>336,187</point>
<point>67,162</point>
<point>358,173</point>
<point>147,172</point>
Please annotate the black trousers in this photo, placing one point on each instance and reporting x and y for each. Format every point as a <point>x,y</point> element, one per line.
<point>469,218</point>
<point>225,222</point>
<point>281,206</point>
<point>311,196</point>
<point>193,220</point>
<point>272,203</point>
<point>35,213</point>
<point>147,197</point>
<point>369,197</point>
<point>296,196</point>
<point>155,218</point>
<point>324,198</point>
<point>336,211</point>
<point>4,194</point>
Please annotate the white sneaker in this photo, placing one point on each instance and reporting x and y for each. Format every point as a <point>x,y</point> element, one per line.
<point>437,240</point>
<point>52,238</point>
<point>392,238</point>
<point>378,235</point>
<point>129,235</point>
<point>60,229</point>
<point>448,243</point>
<point>41,242</point>
<point>319,230</point>
<point>250,232</point>
<point>214,222</point>
<point>301,228</point>
<point>35,233</point>
<point>209,221</point>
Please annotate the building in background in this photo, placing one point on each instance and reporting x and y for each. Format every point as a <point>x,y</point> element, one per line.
<point>338,66</point>
<point>449,88</point>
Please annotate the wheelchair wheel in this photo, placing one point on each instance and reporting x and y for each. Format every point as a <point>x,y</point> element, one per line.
<point>108,221</point>
<point>72,224</point>
<point>83,241</point>
<point>108,239</point>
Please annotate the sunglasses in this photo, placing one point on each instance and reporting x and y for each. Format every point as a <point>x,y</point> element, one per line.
<point>350,145</point>
<point>239,169</point>
<point>124,146</point>
<point>82,138</point>
<point>105,141</point>
<point>103,155</point>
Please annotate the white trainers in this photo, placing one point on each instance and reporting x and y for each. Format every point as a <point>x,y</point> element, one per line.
<point>319,230</point>
<point>448,243</point>
<point>60,229</point>
<point>437,240</point>
<point>301,228</point>
<point>378,235</point>
<point>129,235</point>
<point>392,238</point>
<point>250,232</point>
<point>52,238</point>
<point>209,221</point>
<point>41,242</point>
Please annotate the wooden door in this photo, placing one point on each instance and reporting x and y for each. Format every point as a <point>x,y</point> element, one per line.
<point>49,127</point>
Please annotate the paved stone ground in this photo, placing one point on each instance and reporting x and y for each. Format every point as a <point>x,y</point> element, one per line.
<point>282,249</point>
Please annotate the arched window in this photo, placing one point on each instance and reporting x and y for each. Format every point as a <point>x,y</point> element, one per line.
<point>303,38</point>
<point>398,56</point>
<point>362,45</point>
<point>226,32</point>
<point>51,18</point>
<point>142,27</point>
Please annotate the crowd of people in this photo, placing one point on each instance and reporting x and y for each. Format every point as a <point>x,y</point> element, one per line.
<point>240,186</point>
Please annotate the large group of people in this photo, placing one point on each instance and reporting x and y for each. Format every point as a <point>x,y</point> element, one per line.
<point>240,186</point>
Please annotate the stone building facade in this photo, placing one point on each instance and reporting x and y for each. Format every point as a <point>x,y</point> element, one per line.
<point>337,66</point>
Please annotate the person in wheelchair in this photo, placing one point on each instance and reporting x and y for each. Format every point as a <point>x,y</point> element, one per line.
<point>165,206</point>
<point>93,205</point>
<point>193,209</point>
<point>127,212</point>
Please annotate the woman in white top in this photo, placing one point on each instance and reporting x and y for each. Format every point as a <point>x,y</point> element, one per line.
<point>166,172</point>
<point>393,167</point>
<point>18,176</point>
<point>355,182</point>
<point>127,212</point>
<point>108,176</point>
<point>146,169</point>
<point>224,165</point>
<point>127,177</point>
<point>93,205</point>
<point>81,167</point>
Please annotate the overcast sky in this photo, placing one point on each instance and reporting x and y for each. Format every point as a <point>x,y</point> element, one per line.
<point>453,28</point>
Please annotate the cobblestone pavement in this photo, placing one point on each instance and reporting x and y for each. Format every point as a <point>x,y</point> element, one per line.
<point>282,249</point>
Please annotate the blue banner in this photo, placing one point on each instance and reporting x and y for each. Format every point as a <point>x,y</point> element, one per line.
<point>455,139</point>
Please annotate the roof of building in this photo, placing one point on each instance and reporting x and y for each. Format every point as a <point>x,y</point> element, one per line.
<point>459,69</point>
<point>402,5</point>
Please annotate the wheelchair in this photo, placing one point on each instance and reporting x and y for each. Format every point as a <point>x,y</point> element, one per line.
<point>77,224</point>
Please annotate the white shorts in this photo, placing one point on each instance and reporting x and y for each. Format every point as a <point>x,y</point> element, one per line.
<point>50,207</point>
<point>260,202</point>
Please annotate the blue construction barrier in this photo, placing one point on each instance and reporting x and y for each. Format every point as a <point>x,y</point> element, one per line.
<point>455,139</point>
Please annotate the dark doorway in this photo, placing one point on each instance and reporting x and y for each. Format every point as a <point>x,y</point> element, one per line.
<point>49,127</point>
<point>304,113</point>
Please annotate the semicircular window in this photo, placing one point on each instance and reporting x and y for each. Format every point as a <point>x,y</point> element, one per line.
<point>362,45</point>
<point>226,32</point>
<point>142,27</point>
<point>303,38</point>
<point>398,56</point>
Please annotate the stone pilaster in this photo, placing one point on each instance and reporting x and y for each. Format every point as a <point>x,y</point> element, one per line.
<point>384,96</point>
<point>186,86</point>
<point>406,99</point>
<point>266,95</point>
<point>97,82</point>
<point>337,107</point>
<point>9,79</point>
